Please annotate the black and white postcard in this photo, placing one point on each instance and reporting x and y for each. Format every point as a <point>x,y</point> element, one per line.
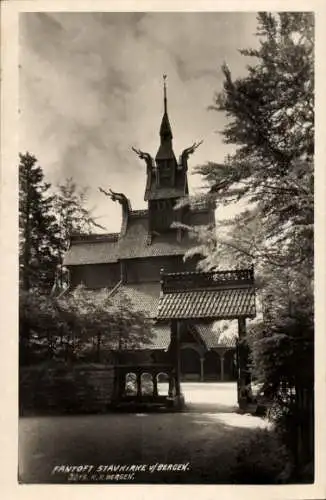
<point>163,248</point>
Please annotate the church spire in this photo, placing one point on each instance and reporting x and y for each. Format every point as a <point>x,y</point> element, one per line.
<point>165,98</point>
<point>165,150</point>
<point>166,179</point>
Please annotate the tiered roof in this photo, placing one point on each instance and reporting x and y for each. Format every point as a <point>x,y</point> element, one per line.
<point>146,297</point>
<point>185,295</point>
<point>134,244</point>
<point>153,192</point>
<point>213,295</point>
<point>93,249</point>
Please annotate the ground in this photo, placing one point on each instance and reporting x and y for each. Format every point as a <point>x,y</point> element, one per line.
<point>204,439</point>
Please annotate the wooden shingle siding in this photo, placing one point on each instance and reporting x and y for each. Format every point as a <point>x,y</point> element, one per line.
<point>95,276</point>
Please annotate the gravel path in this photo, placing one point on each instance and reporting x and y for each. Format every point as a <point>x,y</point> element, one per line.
<point>202,440</point>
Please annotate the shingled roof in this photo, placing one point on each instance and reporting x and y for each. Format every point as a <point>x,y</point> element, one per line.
<point>93,249</point>
<point>135,243</point>
<point>144,297</point>
<point>218,333</point>
<point>161,337</point>
<point>210,333</point>
<point>153,192</point>
<point>219,295</point>
<point>224,304</point>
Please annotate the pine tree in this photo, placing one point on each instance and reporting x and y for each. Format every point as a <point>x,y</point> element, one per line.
<point>47,220</point>
<point>73,215</point>
<point>271,124</point>
<point>38,228</point>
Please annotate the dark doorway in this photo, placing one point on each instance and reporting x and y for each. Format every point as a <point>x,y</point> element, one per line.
<point>190,364</point>
<point>212,366</point>
<point>230,368</point>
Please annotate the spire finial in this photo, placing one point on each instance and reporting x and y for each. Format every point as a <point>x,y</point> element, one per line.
<point>164,87</point>
<point>165,129</point>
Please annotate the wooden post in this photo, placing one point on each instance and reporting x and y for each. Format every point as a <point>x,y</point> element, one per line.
<point>171,385</point>
<point>155,391</point>
<point>122,384</point>
<point>115,384</point>
<point>244,376</point>
<point>201,359</point>
<point>138,385</point>
<point>122,271</point>
<point>175,358</point>
<point>222,365</point>
<point>175,331</point>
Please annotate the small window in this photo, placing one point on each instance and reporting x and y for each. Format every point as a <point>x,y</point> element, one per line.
<point>147,386</point>
<point>131,384</point>
<point>163,384</point>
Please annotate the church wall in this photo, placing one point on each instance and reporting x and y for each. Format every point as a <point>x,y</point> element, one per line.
<point>200,218</point>
<point>95,275</point>
<point>148,270</point>
<point>162,215</point>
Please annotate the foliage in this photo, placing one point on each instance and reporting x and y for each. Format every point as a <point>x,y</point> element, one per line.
<point>38,228</point>
<point>47,219</point>
<point>81,325</point>
<point>73,216</point>
<point>282,349</point>
<point>114,323</point>
<point>262,459</point>
<point>282,344</point>
<point>269,180</point>
<point>271,124</point>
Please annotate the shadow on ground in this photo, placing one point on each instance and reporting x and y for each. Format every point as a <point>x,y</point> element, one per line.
<point>204,438</point>
<point>210,408</point>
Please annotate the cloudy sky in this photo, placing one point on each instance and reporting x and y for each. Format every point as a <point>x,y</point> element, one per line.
<point>91,87</point>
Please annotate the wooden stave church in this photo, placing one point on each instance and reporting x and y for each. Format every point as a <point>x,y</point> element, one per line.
<point>130,262</point>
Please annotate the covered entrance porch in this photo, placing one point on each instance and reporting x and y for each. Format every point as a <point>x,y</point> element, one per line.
<point>214,365</point>
<point>186,301</point>
<point>207,297</point>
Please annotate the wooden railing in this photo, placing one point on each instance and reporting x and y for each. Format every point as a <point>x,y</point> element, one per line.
<point>173,282</point>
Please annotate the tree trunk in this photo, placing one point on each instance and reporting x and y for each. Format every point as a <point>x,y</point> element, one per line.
<point>244,375</point>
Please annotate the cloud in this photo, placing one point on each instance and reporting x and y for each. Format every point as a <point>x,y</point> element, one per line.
<point>91,87</point>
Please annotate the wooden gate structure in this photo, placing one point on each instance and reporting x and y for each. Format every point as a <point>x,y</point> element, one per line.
<point>196,296</point>
<point>212,296</point>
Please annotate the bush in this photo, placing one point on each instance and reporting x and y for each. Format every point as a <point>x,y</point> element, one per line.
<point>262,459</point>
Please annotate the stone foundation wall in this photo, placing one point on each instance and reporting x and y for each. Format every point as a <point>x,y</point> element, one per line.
<point>65,389</point>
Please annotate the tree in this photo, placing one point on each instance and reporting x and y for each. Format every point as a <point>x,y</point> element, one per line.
<point>109,324</point>
<point>271,124</point>
<point>74,218</point>
<point>70,205</point>
<point>42,327</point>
<point>84,325</point>
<point>38,228</point>
<point>47,220</point>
